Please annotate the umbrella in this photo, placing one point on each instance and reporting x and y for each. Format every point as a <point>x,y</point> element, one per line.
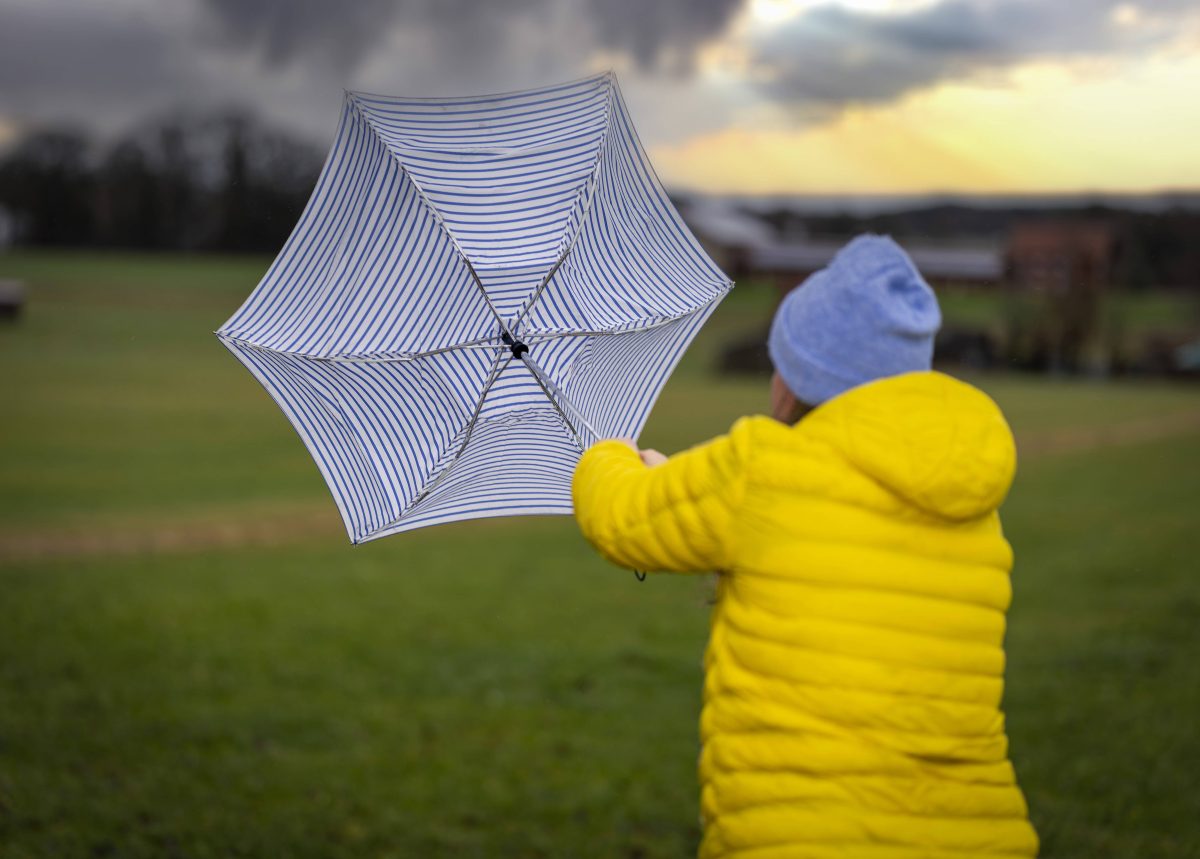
<point>478,289</point>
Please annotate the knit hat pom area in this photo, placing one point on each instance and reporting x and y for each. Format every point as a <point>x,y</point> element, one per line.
<point>867,315</point>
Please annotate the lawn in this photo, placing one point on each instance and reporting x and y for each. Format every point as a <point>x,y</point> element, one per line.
<point>488,689</point>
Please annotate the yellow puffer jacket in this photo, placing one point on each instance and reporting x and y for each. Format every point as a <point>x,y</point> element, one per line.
<point>856,661</point>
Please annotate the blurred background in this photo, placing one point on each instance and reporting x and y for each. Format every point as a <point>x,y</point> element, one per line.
<point>195,662</point>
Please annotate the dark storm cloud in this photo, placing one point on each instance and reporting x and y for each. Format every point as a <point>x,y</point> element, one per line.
<point>666,30</point>
<point>105,64</point>
<point>344,35</point>
<point>77,60</point>
<point>649,31</point>
<point>283,31</point>
<point>835,55</point>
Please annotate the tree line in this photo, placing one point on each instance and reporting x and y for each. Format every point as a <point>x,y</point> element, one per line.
<point>221,181</point>
<point>226,181</point>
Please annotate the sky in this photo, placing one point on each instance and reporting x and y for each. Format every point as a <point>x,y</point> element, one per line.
<point>747,96</point>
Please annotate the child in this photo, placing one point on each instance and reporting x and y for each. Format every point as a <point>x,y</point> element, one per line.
<point>855,665</point>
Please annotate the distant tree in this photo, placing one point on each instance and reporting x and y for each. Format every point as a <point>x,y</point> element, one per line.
<point>235,196</point>
<point>265,180</point>
<point>1168,244</point>
<point>128,209</point>
<point>181,209</point>
<point>47,182</point>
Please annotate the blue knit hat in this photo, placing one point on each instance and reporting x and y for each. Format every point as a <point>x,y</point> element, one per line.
<point>867,315</point>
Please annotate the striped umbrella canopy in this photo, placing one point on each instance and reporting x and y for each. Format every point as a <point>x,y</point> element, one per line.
<point>478,289</point>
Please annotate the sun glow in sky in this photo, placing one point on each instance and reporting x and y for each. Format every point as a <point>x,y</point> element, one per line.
<point>1122,123</point>
<point>774,11</point>
<point>1045,127</point>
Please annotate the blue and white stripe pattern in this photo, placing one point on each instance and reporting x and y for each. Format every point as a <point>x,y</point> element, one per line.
<point>478,289</point>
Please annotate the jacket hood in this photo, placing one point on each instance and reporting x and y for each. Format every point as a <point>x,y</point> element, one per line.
<point>938,442</point>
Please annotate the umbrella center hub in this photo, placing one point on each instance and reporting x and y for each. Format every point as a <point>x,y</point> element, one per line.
<point>515,346</point>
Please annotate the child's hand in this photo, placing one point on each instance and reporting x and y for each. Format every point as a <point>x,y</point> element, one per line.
<point>649,456</point>
<point>652,457</point>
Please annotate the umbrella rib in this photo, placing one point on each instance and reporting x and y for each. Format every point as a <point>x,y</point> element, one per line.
<point>541,286</point>
<point>554,394</point>
<point>485,343</point>
<point>539,337</point>
<point>593,183</point>
<point>562,414</point>
<point>467,431</point>
<point>479,284</point>
<point>481,343</point>
<point>544,380</point>
<point>432,209</point>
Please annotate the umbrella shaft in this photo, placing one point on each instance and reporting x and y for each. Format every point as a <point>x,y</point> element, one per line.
<point>558,398</point>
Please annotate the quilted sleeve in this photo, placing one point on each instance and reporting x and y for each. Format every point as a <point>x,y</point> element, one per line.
<point>678,516</point>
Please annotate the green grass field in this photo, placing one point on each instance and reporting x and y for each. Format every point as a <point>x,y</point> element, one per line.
<point>173,683</point>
